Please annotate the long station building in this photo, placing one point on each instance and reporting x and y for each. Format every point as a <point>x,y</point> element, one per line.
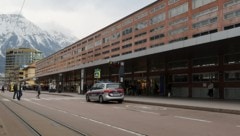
<point>179,44</point>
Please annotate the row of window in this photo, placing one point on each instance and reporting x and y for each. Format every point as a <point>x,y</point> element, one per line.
<point>229,76</point>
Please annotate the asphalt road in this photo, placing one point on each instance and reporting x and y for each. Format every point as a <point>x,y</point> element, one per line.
<point>64,115</point>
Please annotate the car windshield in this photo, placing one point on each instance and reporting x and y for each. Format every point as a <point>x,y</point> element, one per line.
<point>114,86</point>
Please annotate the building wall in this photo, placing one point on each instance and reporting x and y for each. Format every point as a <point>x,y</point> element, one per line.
<point>169,29</point>
<point>161,23</point>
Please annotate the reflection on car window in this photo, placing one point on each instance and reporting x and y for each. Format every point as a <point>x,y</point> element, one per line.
<point>114,86</point>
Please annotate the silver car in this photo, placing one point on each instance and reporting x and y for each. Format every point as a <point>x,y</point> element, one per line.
<point>103,92</point>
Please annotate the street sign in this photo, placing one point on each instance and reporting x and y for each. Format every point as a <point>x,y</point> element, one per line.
<point>97,73</point>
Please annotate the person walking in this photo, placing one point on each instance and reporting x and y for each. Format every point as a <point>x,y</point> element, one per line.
<point>210,89</point>
<point>39,91</point>
<point>19,94</point>
<point>15,90</point>
<point>3,89</point>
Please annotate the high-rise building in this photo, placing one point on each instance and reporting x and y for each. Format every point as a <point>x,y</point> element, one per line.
<point>17,58</point>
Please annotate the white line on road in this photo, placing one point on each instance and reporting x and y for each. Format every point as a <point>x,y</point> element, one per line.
<point>194,119</point>
<point>6,100</point>
<point>238,126</point>
<point>92,120</point>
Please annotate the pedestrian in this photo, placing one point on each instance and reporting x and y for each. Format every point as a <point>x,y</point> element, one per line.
<point>39,91</point>
<point>169,89</point>
<point>210,89</point>
<point>15,90</point>
<point>3,89</point>
<point>19,92</point>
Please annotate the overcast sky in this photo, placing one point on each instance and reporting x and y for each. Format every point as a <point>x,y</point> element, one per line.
<point>78,17</point>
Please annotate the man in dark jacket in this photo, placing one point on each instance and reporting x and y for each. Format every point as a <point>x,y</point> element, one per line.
<point>15,89</point>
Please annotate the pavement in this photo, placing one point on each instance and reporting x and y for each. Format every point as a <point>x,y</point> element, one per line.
<point>213,105</point>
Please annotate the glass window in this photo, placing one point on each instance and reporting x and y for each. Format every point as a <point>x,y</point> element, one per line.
<point>231,3</point>
<point>205,22</point>
<point>158,8</point>
<point>180,78</point>
<point>205,62</point>
<point>232,59</point>
<point>178,10</point>
<point>205,12</point>
<point>199,3</point>
<point>158,18</point>
<point>179,30</point>
<point>178,65</point>
<point>204,77</point>
<point>141,25</point>
<point>178,21</point>
<point>172,1</point>
<point>232,14</point>
<point>232,76</point>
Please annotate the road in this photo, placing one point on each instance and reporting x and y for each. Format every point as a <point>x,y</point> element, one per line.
<point>65,115</point>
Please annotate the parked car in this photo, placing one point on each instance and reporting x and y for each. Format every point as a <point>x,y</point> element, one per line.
<point>103,92</point>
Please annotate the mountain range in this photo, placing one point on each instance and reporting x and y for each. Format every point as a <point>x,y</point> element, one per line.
<point>16,31</point>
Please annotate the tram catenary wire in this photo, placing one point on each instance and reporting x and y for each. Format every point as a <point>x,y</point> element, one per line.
<point>31,128</point>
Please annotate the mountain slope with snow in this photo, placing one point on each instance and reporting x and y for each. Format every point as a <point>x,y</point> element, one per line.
<point>16,31</point>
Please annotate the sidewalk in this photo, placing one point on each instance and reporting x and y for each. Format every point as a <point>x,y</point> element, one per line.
<point>213,105</point>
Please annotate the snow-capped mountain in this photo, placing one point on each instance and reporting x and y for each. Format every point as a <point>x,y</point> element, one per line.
<point>16,31</point>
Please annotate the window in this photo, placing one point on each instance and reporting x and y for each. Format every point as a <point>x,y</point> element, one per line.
<point>141,42</point>
<point>156,45</point>
<point>159,28</point>
<point>178,65</point>
<point>205,62</point>
<point>178,31</point>
<point>155,37</point>
<point>232,14</point>
<point>141,25</point>
<point>180,78</point>
<point>205,12</point>
<point>204,77</point>
<point>141,34</point>
<point>232,76</point>
<point>159,18</point>
<point>232,59</point>
<point>231,3</point>
<point>140,49</point>
<point>115,49</point>
<point>158,8</point>
<point>205,22</point>
<point>178,39</point>
<point>178,10</point>
<point>127,31</point>
<point>178,21</point>
<point>127,46</point>
<point>199,3</point>
<point>128,52</point>
<point>172,1</point>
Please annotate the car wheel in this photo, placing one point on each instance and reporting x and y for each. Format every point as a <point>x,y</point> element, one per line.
<point>87,98</point>
<point>101,99</point>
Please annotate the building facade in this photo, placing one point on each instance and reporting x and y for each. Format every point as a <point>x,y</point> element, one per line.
<point>177,44</point>
<point>16,59</point>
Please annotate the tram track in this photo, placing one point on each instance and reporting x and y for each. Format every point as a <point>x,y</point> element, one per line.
<point>32,127</point>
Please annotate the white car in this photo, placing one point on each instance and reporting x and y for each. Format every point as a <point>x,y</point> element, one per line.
<point>103,92</point>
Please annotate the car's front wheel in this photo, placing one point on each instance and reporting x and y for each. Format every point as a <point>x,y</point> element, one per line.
<point>101,99</point>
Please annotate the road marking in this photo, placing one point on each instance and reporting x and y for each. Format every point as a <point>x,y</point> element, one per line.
<point>92,120</point>
<point>6,100</point>
<point>238,126</point>
<point>146,107</point>
<point>193,119</point>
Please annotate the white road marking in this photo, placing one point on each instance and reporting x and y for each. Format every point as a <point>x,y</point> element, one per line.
<point>238,126</point>
<point>147,107</point>
<point>6,100</point>
<point>149,112</point>
<point>193,119</point>
<point>92,120</point>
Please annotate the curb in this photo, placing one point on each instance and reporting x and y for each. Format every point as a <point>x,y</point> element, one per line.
<point>219,110</point>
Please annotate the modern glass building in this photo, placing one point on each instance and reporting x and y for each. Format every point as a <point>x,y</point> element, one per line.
<point>19,57</point>
<point>184,44</point>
